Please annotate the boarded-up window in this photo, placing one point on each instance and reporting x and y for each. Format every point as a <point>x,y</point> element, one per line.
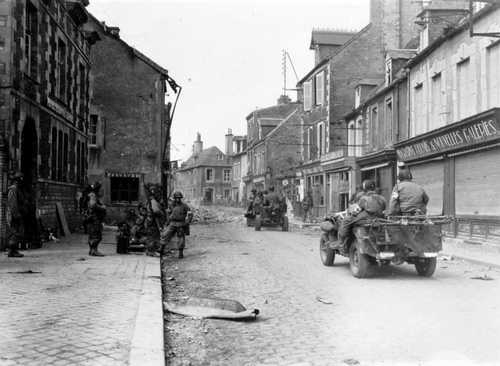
<point>476,183</point>
<point>437,102</point>
<point>465,89</point>
<point>493,75</point>
<point>431,177</point>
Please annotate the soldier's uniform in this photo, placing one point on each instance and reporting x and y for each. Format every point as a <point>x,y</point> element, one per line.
<point>179,217</point>
<point>15,222</point>
<point>94,221</point>
<point>372,206</point>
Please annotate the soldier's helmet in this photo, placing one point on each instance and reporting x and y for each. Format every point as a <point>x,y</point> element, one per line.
<point>95,187</point>
<point>368,185</point>
<point>405,174</point>
<point>17,176</point>
<point>178,194</point>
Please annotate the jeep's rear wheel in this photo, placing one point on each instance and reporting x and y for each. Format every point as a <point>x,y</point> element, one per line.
<point>284,226</point>
<point>426,266</point>
<point>325,252</point>
<point>358,262</point>
<point>257,223</point>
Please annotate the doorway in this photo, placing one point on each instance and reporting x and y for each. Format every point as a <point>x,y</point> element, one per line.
<point>29,160</point>
<point>209,195</point>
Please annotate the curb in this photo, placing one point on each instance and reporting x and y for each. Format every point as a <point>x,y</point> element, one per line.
<point>147,346</point>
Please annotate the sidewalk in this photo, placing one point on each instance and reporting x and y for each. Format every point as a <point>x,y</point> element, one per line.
<point>58,306</point>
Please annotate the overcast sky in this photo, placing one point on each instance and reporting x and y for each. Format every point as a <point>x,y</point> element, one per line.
<point>225,54</point>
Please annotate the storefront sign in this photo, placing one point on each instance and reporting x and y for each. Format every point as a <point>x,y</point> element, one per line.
<point>472,132</point>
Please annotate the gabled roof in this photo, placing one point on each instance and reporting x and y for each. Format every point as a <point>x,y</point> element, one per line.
<point>207,157</point>
<point>329,37</point>
<point>276,111</point>
<point>135,52</point>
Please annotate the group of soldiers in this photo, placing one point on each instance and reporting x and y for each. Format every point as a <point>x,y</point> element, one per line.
<point>407,199</point>
<point>155,224</point>
<point>261,200</point>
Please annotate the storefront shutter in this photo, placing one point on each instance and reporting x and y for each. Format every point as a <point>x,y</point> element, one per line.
<point>430,176</point>
<point>476,183</point>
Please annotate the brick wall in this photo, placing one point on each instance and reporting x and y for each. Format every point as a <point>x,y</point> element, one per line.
<point>49,194</point>
<point>131,106</point>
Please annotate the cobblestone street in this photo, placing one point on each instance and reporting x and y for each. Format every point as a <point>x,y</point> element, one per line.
<point>395,317</point>
<point>61,307</point>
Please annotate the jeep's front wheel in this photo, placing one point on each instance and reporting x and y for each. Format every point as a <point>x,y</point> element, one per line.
<point>358,262</point>
<point>326,253</point>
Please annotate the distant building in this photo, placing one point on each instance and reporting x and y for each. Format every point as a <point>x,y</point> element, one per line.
<point>328,171</point>
<point>263,171</point>
<point>236,149</point>
<point>205,178</point>
<point>127,120</point>
<point>44,105</point>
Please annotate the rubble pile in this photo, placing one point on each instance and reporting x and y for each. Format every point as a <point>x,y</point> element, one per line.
<point>215,215</point>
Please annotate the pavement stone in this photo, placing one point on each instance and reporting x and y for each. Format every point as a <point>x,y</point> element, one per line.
<point>73,309</point>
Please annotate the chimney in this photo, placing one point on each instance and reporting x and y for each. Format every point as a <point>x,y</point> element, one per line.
<point>198,145</point>
<point>284,99</point>
<point>229,142</point>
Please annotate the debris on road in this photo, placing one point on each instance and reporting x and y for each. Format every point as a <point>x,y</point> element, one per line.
<point>351,361</point>
<point>198,307</point>
<point>171,279</point>
<point>81,259</point>
<point>484,277</point>
<point>202,215</point>
<point>29,271</point>
<point>324,301</point>
<point>447,257</point>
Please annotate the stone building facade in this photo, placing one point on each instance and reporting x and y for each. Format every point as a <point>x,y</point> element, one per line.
<point>326,92</point>
<point>206,177</point>
<point>44,104</point>
<point>262,170</point>
<point>127,120</point>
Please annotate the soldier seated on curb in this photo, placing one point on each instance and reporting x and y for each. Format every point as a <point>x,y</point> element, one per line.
<point>179,217</point>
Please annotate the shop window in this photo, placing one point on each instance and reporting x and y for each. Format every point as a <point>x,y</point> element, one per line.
<point>124,189</point>
<point>227,194</point>
<point>209,175</point>
<point>3,20</point>
<point>227,175</point>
